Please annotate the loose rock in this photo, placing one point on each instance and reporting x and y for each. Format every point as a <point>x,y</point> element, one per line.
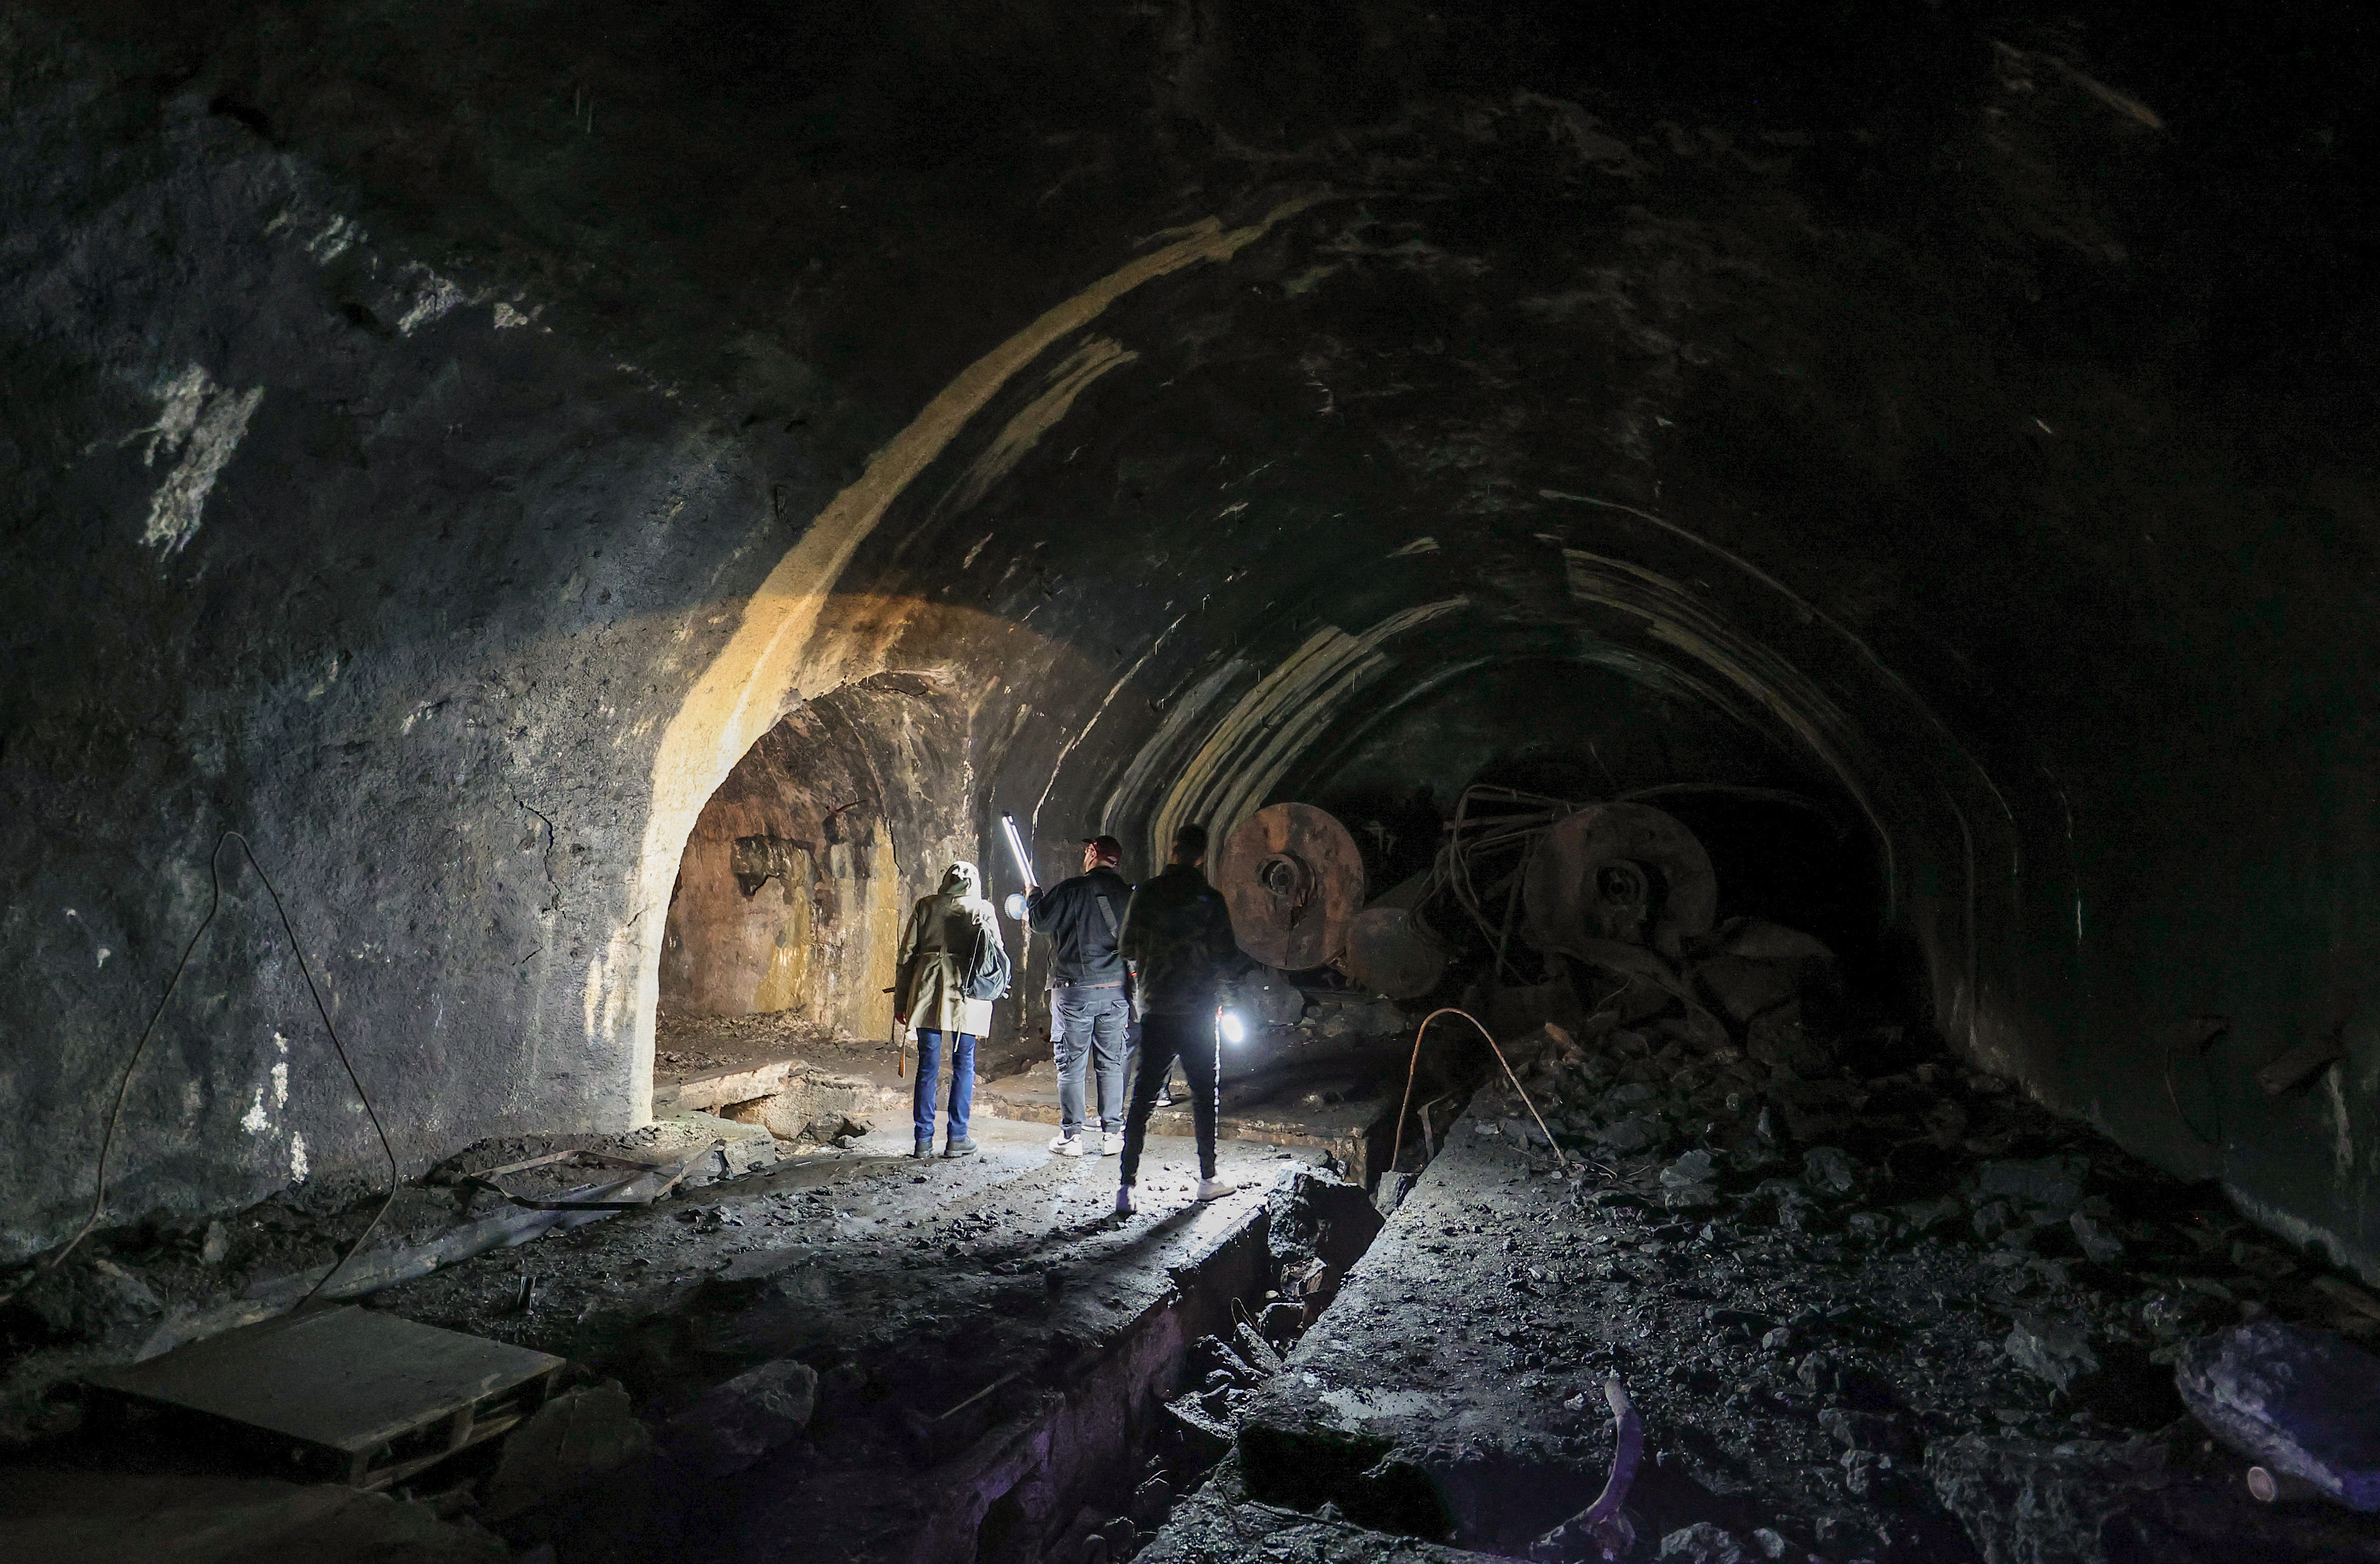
<point>744,1419</point>
<point>2023,1502</point>
<point>1703,1542</point>
<point>2054,1182</point>
<point>2302,1401</point>
<point>1829,1170</point>
<point>572,1443</point>
<point>2058,1353</point>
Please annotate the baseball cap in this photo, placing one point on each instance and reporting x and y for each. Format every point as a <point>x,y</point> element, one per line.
<point>1109,850</point>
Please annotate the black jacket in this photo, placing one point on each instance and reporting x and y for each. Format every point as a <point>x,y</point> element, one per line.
<point>1180,932</point>
<point>1082,938</point>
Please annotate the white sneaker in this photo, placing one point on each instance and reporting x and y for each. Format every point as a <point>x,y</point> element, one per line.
<point>1124,1200</point>
<point>1110,1142</point>
<point>1067,1145</point>
<point>1215,1189</point>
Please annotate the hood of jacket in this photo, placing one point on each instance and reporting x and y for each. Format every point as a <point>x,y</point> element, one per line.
<point>963,880</point>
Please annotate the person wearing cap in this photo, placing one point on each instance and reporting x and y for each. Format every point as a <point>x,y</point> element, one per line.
<point>1088,1001</point>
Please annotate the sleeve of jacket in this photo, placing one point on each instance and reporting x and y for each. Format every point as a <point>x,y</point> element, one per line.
<point>904,974</point>
<point>1130,943</point>
<point>1047,907</point>
<point>1222,945</point>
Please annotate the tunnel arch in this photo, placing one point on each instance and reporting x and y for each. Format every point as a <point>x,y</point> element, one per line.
<point>1926,367</point>
<point>776,649</point>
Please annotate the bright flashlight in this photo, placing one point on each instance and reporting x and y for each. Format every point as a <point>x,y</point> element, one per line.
<point>1017,849</point>
<point>1234,1030</point>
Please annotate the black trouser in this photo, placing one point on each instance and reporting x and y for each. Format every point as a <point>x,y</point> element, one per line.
<point>1191,1036</point>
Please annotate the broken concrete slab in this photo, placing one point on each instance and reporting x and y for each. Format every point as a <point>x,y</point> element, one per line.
<point>2302,1401</point>
<point>343,1390</point>
<point>1397,1406</point>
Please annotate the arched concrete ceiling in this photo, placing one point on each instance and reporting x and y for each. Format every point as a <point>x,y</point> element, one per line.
<point>453,434</point>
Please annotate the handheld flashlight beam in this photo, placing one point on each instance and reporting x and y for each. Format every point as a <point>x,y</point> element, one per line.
<point>1016,850</point>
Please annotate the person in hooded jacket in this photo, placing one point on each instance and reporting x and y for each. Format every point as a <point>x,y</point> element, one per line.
<point>942,945</point>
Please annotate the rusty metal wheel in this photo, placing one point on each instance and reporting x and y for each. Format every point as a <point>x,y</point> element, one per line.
<point>1624,872</point>
<point>1294,881</point>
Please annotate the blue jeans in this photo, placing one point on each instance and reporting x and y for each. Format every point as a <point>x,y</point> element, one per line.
<point>930,1070</point>
<point>1091,1022</point>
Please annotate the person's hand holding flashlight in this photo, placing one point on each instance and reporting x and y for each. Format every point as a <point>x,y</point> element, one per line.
<point>1016,906</point>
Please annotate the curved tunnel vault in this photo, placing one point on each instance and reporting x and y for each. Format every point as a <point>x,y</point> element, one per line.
<point>1166,574</point>
<point>1211,724</point>
<point>1114,436</point>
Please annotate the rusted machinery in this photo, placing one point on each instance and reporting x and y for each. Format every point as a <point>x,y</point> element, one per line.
<point>1392,951</point>
<point>1294,881</point>
<point>1620,886</point>
<point>1617,872</point>
<point>1295,885</point>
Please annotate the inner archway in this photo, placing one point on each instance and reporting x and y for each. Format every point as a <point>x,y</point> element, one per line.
<point>786,900</point>
<point>786,911</point>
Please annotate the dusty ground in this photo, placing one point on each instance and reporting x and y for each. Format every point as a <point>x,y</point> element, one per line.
<point>1870,1306</point>
<point>690,1044</point>
<point>1317,1080</point>
<point>969,1332</point>
<point>939,1302</point>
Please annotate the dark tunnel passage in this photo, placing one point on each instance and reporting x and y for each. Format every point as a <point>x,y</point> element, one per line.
<point>1768,615</point>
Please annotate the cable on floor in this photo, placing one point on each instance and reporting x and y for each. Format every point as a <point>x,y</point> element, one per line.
<point>140,1046</point>
<point>1413,1065</point>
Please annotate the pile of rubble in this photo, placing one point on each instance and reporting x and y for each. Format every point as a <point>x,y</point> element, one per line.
<point>1915,1294</point>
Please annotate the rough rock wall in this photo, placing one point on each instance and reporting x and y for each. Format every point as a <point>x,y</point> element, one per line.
<point>787,897</point>
<point>267,474</point>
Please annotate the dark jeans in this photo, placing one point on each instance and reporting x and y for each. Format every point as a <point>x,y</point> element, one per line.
<point>929,1070</point>
<point>1193,1038</point>
<point>1092,1022</point>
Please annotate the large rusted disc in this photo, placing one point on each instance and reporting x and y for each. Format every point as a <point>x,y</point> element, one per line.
<point>1293,879</point>
<point>1390,953</point>
<point>1620,872</point>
